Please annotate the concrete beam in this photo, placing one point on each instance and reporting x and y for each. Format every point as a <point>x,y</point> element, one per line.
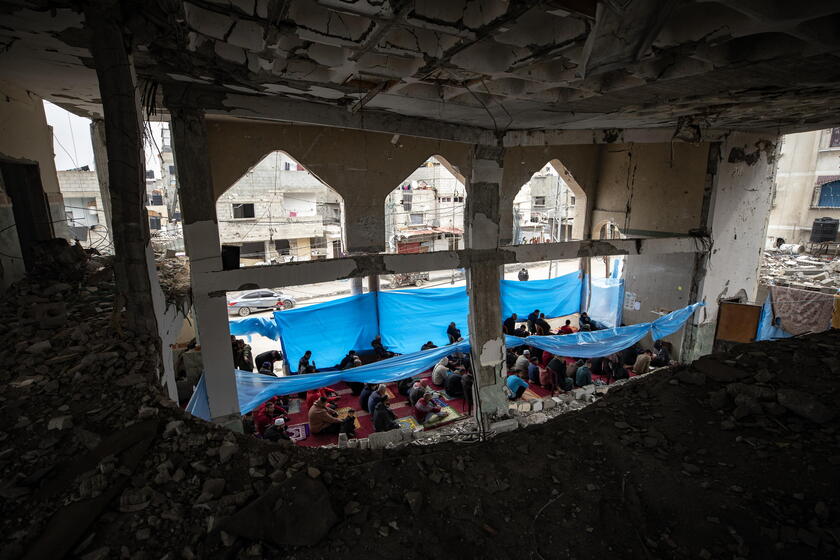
<point>277,108</point>
<point>216,282</point>
<point>544,138</point>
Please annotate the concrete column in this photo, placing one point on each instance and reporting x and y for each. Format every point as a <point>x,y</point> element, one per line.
<point>134,261</point>
<point>100,159</point>
<point>201,241</point>
<point>736,213</point>
<point>483,277</point>
<point>373,283</point>
<point>356,286</point>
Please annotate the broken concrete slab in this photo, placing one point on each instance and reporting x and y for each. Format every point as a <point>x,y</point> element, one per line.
<point>504,426</point>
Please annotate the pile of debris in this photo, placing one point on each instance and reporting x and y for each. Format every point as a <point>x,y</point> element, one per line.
<point>734,456</point>
<point>174,276</point>
<point>805,272</point>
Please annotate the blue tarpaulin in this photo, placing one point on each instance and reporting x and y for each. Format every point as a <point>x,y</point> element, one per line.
<point>605,301</point>
<point>254,389</point>
<point>329,329</point>
<point>264,326</point>
<point>555,297</point>
<point>410,318</point>
<point>607,341</point>
<point>767,329</point>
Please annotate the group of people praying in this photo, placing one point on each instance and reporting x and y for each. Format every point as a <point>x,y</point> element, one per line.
<point>452,375</point>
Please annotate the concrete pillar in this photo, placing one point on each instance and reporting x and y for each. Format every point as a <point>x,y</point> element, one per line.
<point>356,286</point>
<point>373,283</point>
<point>134,261</point>
<point>100,159</point>
<point>483,277</point>
<point>736,213</point>
<point>201,241</point>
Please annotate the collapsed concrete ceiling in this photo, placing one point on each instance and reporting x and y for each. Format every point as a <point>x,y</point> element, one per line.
<point>494,64</point>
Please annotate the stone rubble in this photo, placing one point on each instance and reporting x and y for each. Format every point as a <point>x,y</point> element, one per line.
<point>805,272</point>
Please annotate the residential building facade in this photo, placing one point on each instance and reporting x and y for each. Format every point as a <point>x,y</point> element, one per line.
<point>279,212</point>
<point>544,209</point>
<point>426,212</point>
<point>807,185</point>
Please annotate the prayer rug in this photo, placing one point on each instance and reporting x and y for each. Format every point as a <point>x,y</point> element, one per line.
<point>409,422</point>
<point>294,406</point>
<point>298,432</point>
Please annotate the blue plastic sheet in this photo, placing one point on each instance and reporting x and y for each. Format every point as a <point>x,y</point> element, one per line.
<point>263,326</point>
<point>410,318</point>
<point>767,330</point>
<point>328,329</point>
<point>596,344</point>
<point>555,297</point>
<point>254,389</point>
<point>605,301</point>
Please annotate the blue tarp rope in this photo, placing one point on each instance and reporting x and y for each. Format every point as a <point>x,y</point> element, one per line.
<point>254,389</point>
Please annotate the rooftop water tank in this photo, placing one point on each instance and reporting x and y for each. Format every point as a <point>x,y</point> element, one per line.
<point>824,229</point>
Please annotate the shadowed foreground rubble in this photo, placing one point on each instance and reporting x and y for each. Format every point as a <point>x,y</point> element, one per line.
<point>736,456</point>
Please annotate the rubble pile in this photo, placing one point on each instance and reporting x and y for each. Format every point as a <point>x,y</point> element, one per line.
<point>174,277</point>
<point>805,272</point>
<point>733,456</point>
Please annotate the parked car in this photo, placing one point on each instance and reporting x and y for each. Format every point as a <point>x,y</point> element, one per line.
<point>409,279</point>
<point>259,300</point>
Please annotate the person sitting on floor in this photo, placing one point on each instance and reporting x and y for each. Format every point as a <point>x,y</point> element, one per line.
<point>521,331</point>
<point>546,378</point>
<point>248,426</point>
<point>303,363</point>
<point>523,360</point>
<point>453,332</point>
<point>533,370</point>
<point>426,410</point>
<point>509,324</point>
<point>347,361</point>
<point>583,375</point>
<point>348,425</point>
<point>566,328</point>
<point>428,346</point>
<point>364,396</point>
<point>419,388</point>
<point>543,328</point>
<point>629,354</point>
<point>516,385</point>
<point>441,371</point>
<point>270,356</point>
<point>597,366</point>
<point>661,356</point>
<point>510,358</point>
<point>642,364</point>
<point>323,420</point>
<point>264,416</point>
<point>384,419</point>
<point>545,357</point>
<point>560,375</point>
<point>404,385</point>
<point>571,369</point>
<point>376,396</point>
<point>277,431</point>
<point>381,352</point>
<point>454,385</point>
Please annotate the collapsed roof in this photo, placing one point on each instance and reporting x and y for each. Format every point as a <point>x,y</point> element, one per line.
<point>492,64</point>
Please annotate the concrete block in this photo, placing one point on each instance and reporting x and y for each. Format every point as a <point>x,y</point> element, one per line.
<point>548,403</point>
<point>524,406</point>
<point>536,405</point>
<point>212,24</point>
<point>248,35</point>
<point>342,441</point>
<point>364,443</point>
<point>523,421</point>
<point>578,394</point>
<point>538,418</point>
<point>406,434</point>
<point>379,440</point>
<point>564,398</point>
<point>504,426</point>
<point>353,443</point>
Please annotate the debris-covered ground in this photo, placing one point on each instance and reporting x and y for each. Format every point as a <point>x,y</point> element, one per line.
<point>807,272</point>
<point>736,456</point>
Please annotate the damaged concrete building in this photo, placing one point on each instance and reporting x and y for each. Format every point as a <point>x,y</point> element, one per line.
<point>663,119</point>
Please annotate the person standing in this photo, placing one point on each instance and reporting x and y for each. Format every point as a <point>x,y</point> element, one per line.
<point>532,321</point>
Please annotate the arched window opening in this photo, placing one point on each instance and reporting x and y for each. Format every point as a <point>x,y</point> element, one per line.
<point>546,207</point>
<point>279,212</point>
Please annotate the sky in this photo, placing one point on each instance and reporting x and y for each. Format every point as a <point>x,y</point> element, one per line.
<point>72,145</point>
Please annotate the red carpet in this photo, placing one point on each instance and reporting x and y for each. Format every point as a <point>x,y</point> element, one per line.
<point>299,420</point>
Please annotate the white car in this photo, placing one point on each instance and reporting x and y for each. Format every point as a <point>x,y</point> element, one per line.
<point>259,300</point>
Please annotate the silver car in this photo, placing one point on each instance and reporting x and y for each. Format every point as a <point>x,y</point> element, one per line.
<point>259,300</point>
